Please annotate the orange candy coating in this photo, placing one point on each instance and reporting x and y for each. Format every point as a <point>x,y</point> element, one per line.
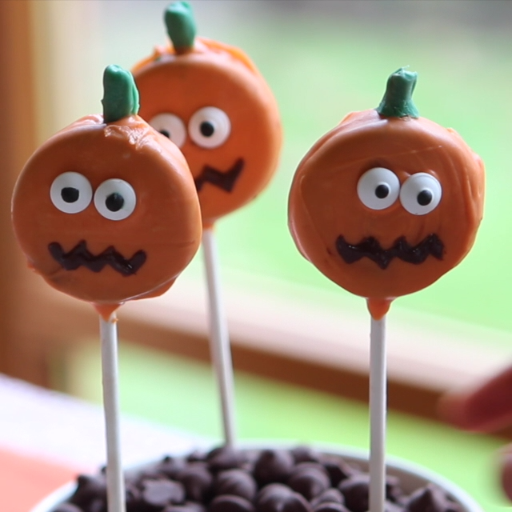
<point>324,203</point>
<point>165,223</point>
<point>216,75</point>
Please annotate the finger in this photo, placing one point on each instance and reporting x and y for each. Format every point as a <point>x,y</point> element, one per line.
<point>506,472</point>
<point>484,409</point>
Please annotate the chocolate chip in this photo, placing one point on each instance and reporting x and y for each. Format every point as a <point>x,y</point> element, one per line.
<point>356,492</point>
<point>230,503</point>
<point>170,467</point>
<point>296,503</point>
<point>310,480</point>
<point>159,493</point>
<point>133,497</point>
<point>188,506</point>
<point>197,481</point>
<point>305,454</point>
<point>430,499</point>
<point>196,456</point>
<point>337,469</point>
<point>394,491</point>
<point>330,506</point>
<point>329,496</point>
<point>89,488</point>
<point>271,497</point>
<point>223,458</point>
<point>355,489</point>
<point>280,498</point>
<point>98,505</point>
<point>273,466</point>
<point>67,507</point>
<point>236,482</point>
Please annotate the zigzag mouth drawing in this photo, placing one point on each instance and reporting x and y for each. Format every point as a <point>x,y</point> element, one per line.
<point>370,248</point>
<point>223,180</point>
<point>80,256</point>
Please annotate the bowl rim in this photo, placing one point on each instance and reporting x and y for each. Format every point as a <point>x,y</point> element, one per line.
<point>357,455</point>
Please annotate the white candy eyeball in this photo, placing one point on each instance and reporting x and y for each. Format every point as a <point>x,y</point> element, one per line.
<point>209,127</point>
<point>115,199</point>
<point>378,188</point>
<point>171,126</point>
<point>71,192</point>
<point>420,193</point>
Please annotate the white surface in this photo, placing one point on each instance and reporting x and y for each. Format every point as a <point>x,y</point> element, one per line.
<point>53,426</point>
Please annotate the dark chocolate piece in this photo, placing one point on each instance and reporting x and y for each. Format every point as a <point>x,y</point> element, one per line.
<point>224,180</point>
<point>236,482</point>
<point>331,495</point>
<point>197,481</point>
<point>430,499</point>
<point>89,489</point>
<point>80,256</point>
<point>224,457</point>
<point>370,248</point>
<point>196,456</point>
<point>67,507</point>
<point>170,467</point>
<point>188,506</point>
<point>337,469</point>
<point>273,466</point>
<point>230,503</point>
<point>305,454</point>
<point>156,494</point>
<point>355,490</point>
<point>330,506</point>
<point>309,479</point>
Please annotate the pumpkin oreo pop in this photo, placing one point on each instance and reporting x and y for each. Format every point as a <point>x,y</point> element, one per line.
<point>106,211</point>
<point>209,98</point>
<point>387,202</point>
<point>384,205</point>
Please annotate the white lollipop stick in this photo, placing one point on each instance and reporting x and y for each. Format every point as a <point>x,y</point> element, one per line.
<point>115,480</point>
<point>219,337</point>
<point>378,386</point>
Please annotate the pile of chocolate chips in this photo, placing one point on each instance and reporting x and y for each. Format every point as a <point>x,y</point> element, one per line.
<point>227,480</point>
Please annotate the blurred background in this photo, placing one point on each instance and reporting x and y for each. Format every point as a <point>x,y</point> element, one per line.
<point>322,59</point>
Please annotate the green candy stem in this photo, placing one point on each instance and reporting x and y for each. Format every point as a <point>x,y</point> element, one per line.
<point>120,95</point>
<point>181,26</point>
<point>397,101</point>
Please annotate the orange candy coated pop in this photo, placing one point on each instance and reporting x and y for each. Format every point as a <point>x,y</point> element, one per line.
<point>106,210</point>
<point>212,102</point>
<point>387,202</point>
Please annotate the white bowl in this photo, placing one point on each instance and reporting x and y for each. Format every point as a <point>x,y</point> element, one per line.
<point>412,476</point>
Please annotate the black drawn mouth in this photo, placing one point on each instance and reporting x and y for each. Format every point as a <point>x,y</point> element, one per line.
<point>371,248</point>
<point>80,256</point>
<point>223,180</point>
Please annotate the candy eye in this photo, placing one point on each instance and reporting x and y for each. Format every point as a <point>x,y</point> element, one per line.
<point>378,188</point>
<point>171,126</point>
<point>420,193</point>
<point>115,199</point>
<point>209,127</point>
<point>71,192</point>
